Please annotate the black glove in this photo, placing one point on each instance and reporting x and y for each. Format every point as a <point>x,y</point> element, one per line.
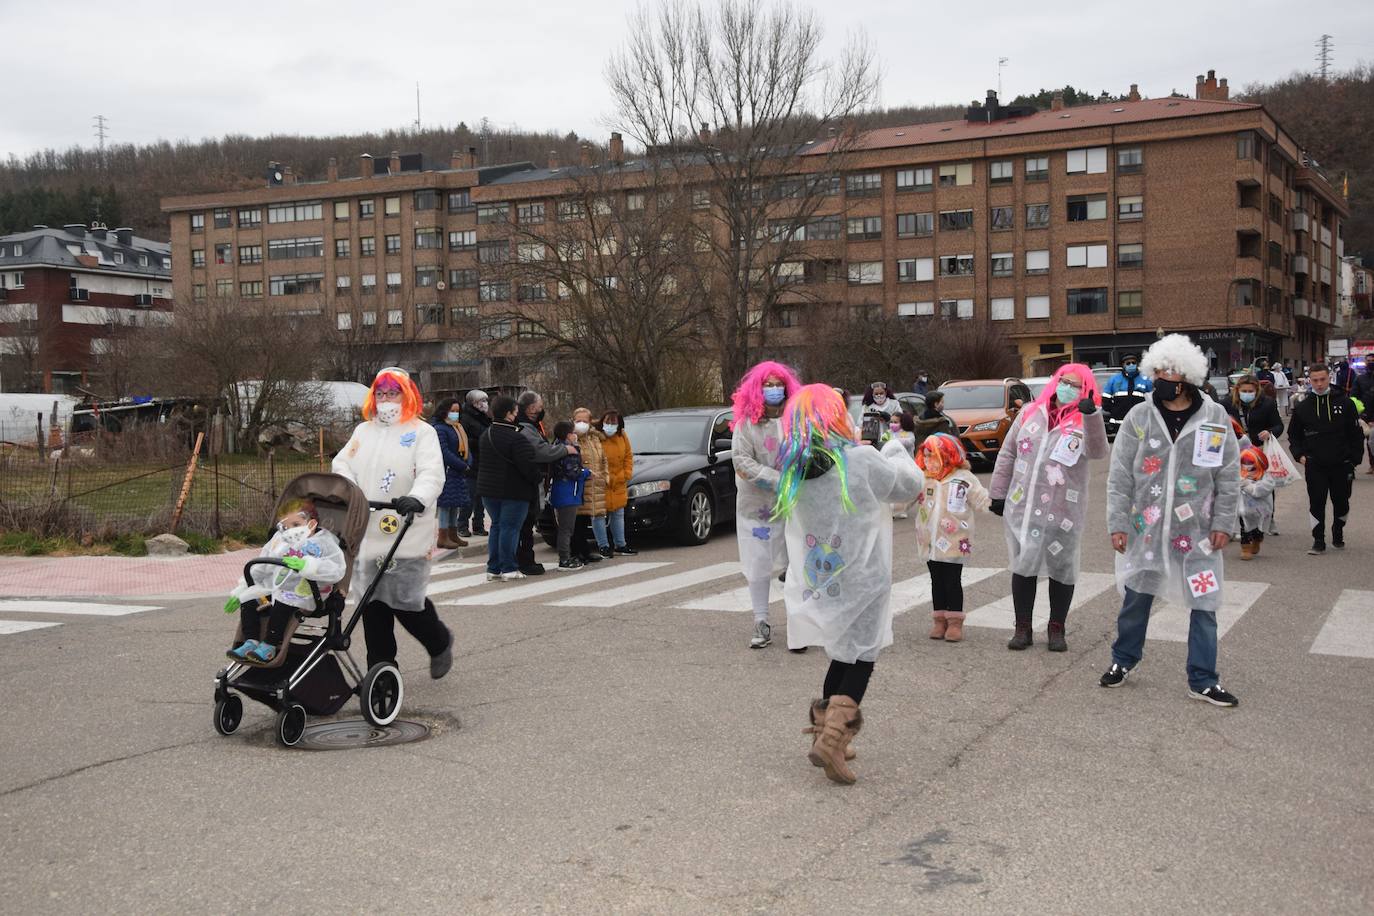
<point>408,505</point>
<point>1087,407</point>
<point>997,507</point>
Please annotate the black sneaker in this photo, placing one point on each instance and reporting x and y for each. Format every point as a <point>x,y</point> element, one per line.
<point>1214,695</point>
<point>534,569</point>
<point>464,531</point>
<point>1115,676</point>
<point>570,563</point>
<point>1317,549</point>
<point>626,550</point>
<point>478,533</point>
<point>607,553</point>
<point>591,558</point>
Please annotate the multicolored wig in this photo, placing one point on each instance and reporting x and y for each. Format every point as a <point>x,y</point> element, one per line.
<point>952,455</point>
<point>395,378</point>
<point>1258,461</point>
<point>815,428</point>
<point>1067,415</point>
<point>748,397</point>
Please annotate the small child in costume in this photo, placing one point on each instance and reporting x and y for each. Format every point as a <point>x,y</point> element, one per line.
<point>944,528</point>
<point>1256,501</point>
<point>569,481</point>
<point>310,553</point>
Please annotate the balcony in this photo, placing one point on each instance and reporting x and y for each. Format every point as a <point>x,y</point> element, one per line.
<point>1249,221</point>
<point>1324,314</point>
<point>1302,221</point>
<point>1302,308</point>
<point>1302,264</point>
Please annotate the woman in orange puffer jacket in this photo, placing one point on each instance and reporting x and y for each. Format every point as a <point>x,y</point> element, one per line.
<point>620,465</point>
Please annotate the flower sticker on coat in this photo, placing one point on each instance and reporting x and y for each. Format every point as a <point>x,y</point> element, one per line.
<point>1024,446</point>
<point>965,547</point>
<point>1151,514</point>
<point>1054,475</point>
<point>949,525</point>
<point>1183,544</point>
<point>762,533</point>
<point>1151,465</point>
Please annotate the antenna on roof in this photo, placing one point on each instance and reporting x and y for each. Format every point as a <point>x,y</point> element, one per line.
<point>417,107</point>
<point>1001,62</point>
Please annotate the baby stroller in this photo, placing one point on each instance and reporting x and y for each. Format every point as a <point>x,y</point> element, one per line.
<point>314,673</point>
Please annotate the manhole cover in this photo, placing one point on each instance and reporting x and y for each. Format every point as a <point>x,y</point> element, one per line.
<point>338,736</point>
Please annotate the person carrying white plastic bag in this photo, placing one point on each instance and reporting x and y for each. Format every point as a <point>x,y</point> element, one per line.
<point>1172,500</point>
<point>1282,468</point>
<point>1256,501</point>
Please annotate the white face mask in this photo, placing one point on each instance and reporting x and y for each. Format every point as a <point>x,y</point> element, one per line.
<point>610,429</point>
<point>295,537</point>
<point>581,427</point>
<point>388,413</point>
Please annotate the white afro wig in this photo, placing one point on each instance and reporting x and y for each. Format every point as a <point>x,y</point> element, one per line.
<point>1175,353</point>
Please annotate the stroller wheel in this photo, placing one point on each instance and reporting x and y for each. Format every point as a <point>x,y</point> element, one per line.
<point>380,694</point>
<point>228,714</point>
<point>291,725</point>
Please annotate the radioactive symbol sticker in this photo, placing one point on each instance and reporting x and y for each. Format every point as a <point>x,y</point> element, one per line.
<point>388,524</point>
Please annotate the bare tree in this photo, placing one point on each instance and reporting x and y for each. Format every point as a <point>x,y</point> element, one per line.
<point>21,348</point>
<point>358,338</point>
<point>739,100</point>
<point>851,350</point>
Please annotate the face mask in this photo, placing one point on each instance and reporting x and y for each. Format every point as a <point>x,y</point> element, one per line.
<point>388,413</point>
<point>454,416</point>
<point>773,395</point>
<point>924,379</point>
<point>1129,369</point>
<point>1247,397</point>
<point>879,398</point>
<point>1168,390</point>
<point>895,427</point>
<point>581,427</point>
<point>295,537</point>
<point>1066,394</point>
<point>610,429</point>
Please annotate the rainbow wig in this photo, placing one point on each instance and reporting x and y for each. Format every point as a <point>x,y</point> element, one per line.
<point>1067,415</point>
<point>394,377</point>
<point>748,397</point>
<point>1258,460</point>
<point>952,455</point>
<point>815,426</point>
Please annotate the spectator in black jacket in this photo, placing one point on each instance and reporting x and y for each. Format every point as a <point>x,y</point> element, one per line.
<point>1325,437</point>
<point>530,418</point>
<point>508,481</point>
<point>475,420</point>
<point>1257,412</point>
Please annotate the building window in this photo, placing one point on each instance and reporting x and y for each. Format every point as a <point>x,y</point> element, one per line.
<point>1002,309</point>
<point>1004,264</point>
<point>298,212</point>
<point>1037,262</point>
<point>1130,208</point>
<point>463,278</point>
<point>956,265</point>
<point>1037,168</point>
<point>864,184</point>
<point>956,308</point>
<point>1130,255</point>
<point>198,292</point>
<point>344,321</point>
<point>493,291</point>
<point>285,249</point>
<point>634,202</point>
<point>1089,301</point>
<point>906,309</point>
<point>1245,293</point>
<point>430,313</point>
<point>462,313</point>
<point>915,225</point>
<point>1086,256</point>
<point>823,229</point>
<point>368,283</point>
<point>369,320</point>
<point>427,199</point>
<point>393,281</point>
<point>459,201</point>
<point>223,218</point>
<point>956,175</point>
<point>340,212</point>
<point>1087,161</point>
<point>367,246</point>
<point>787,316</point>
<point>118,257</point>
<point>529,214</point>
<point>393,244</point>
<point>865,272</point>
<point>224,288</point>
<point>1130,159</point>
<point>1002,219</point>
<point>295,284</point>
<point>429,238</point>
<point>1245,145</point>
<point>143,260</point>
<point>865,228</point>
<point>530,252</point>
<point>915,270</point>
<point>395,318</point>
<point>1001,172</point>
<point>391,206</point>
<point>343,248</point>
<point>427,276</point>
<point>915,179</point>
<point>701,199</point>
<point>343,281</point>
<point>250,218</point>
<point>570,252</point>
<point>954,220</point>
<point>250,254</point>
<point>1128,303</point>
<point>197,257</point>
<point>367,209</point>
<point>1037,216</point>
<point>495,330</point>
<point>531,292</point>
<point>224,253</point>
<point>497,252</point>
<point>572,210</point>
<point>1084,207</point>
<point>250,289</point>
<point>493,213</point>
<point>1037,306</point>
<point>197,222</point>
<point>462,240</point>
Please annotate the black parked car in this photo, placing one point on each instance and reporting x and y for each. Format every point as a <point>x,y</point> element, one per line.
<point>684,480</point>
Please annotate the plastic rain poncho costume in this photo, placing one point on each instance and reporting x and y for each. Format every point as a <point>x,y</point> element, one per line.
<point>1042,472</point>
<point>1256,490</point>
<point>325,564</point>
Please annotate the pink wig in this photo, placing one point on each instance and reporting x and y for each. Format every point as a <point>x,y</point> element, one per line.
<point>1067,414</point>
<point>748,397</point>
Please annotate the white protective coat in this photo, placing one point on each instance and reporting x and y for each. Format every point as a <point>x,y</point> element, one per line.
<point>388,462</point>
<point>1168,506</point>
<point>324,563</point>
<point>1257,502</point>
<point>1047,501</point>
<point>945,516</point>
<point>839,575</point>
<point>762,546</point>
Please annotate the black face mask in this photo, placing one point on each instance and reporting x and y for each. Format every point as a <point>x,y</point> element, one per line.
<point>1168,390</point>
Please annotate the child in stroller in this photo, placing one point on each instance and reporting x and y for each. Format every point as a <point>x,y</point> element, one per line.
<point>309,553</point>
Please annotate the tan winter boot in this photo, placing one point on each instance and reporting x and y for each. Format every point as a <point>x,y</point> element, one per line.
<point>445,541</point>
<point>954,626</point>
<point>1247,551</point>
<point>842,721</point>
<point>938,624</point>
<point>456,538</point>
<point>818,725</point>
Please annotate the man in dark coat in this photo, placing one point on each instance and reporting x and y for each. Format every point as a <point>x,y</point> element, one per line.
<point>475,419</point>
<point>1325,437</point>
<point>530,417</point>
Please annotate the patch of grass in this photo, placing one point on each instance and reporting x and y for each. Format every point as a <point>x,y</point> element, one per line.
<point>24,544</point>
<point>200,543</point>
<point>129,545</point>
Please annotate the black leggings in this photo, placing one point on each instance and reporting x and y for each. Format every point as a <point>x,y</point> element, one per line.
<point>946,585</point>
<point>1023,599</point>
<point>278,616</point>
<point>379,628</point>
<point>847,680</point>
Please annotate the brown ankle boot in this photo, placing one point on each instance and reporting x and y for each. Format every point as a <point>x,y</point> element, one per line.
<point>1247,551</point>
<point>842,721</point>
<point>954,626</point>
<point>444,542</point>
<point>817,713</point>
<point>456,538</point>
<point>938,623</point>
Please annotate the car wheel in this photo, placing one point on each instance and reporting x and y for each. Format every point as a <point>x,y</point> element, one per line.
<point>697,517</point>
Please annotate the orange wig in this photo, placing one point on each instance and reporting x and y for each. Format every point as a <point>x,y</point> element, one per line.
<point>1259,464</point>
<point>411,402</point>
<point>952,456</point>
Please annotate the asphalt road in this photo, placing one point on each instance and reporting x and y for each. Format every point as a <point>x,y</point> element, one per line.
<point>641,759</point>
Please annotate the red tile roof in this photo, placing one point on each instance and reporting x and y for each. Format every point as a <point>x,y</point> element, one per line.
<point>1080,116</point>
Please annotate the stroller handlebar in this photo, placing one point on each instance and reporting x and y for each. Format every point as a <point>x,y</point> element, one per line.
<point>275,561</point>
<point>389,504</point>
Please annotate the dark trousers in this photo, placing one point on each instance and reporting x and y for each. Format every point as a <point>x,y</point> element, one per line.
<point>278,615</point>
<point>946,585</point>
<point>1323,482</point>
<point>472,517</point>
<point>1251,537</point>
<point>847,680</point>
<point>567,522</point>
<point>524,550</point>
<point>583,543</point>
<point>379,628</point>
<point>1023,599</point>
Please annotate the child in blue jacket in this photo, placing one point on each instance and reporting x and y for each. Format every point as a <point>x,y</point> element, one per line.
<point>569,478</point>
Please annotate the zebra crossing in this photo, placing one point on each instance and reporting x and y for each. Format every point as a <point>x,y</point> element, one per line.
<point>60,608</point>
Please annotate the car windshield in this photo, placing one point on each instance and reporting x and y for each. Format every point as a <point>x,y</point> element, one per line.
<point>1036,386</point>
<point>975,396</point>
<point>665,435</point>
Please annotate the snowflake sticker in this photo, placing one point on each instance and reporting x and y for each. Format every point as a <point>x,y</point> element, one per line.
<point>1024,446</point>
<point>1182,543</point>
<point>1204,583</point>
<point>1151,465</point>
<point>1054,475</point>
<point>965,547</point>
<point>1156,491</point>
<point>387,480</point>
<point>1151,514</point>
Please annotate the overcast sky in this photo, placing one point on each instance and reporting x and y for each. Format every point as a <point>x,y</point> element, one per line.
<point>177,70</point>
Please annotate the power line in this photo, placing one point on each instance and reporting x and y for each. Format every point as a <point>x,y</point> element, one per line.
<point>101,132</point>
<point>1323,58</point>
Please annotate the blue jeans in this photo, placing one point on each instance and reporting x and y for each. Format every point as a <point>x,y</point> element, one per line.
<point>448,516</point>
<point>506,518</point>
<point>618,526</point>
<point>599,531</point>
<point>1132,622</point>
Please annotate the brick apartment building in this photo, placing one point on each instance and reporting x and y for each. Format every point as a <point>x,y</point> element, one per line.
<point>62,293</point>
<point>1080,232</point>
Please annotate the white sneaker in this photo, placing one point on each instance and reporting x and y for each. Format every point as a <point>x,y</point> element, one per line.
<point>763,635</point>
<point>512,576</point>
<point>493,577</point>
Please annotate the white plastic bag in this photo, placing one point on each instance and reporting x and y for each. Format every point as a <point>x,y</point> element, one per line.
<point>1282,468</point>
